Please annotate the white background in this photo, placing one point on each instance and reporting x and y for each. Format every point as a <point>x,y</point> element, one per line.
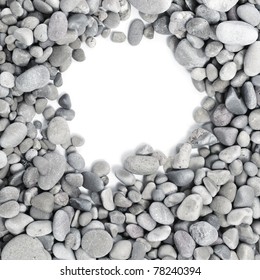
<point>125,96</point>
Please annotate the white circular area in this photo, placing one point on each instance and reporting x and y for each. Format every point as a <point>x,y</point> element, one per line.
<point>125,96</point>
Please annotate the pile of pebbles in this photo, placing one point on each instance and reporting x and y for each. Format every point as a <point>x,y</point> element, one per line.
<point>202,203</point>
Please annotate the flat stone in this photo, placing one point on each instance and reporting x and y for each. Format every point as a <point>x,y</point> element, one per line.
<point>97,243</point>
<point>33,78</point>
<point>190,208</point>
<point>203,233</point>
<point>24,247</point>
<point>141,165</point>
<point>151,6</point>
<point>161,214</point>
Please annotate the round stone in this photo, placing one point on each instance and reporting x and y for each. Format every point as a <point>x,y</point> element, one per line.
<point>97,243</point>
<point>24,247</point>
<point>203,233</point>
<point>58,131</point>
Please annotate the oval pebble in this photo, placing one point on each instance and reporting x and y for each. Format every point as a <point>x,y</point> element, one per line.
<point>58,26</point>
<point>13,135</point>
<point>236,33</point>
<point>251,61</point>
<point>33,78</point>
<point>220,5</point>
<point>58,131</point>
<point>151,7</point>
<point>135,32</point>
<point>141,165</point>
<point>159,234</point>
<point>161,214</point>
<point>97,243</point>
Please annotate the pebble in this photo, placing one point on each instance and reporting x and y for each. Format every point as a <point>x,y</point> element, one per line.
<point>151,7</point>
<point>39,228</point>
<point>251,63</point>
<point>254,119</point>
<point>9,209</point>
<point>190,208</point>
<point>236,33</point>
<point>24,247</point>
<point>161,214</point>
<point>141,165</point>
<point>101,168</point>
<point>17,224</point>
<point>32,79</point>
<point>184,243</point>
<point>231,238</point>
<point>58,131</point>
<point>57,167</point>
<point>199,27</point>
<point>44,202</point>
<point>159,234</point>
<point>24,36</point>
<point>97,243</point>
<point>221,205</point>
<point>230,154</point>
<point>61,225</point>
<point>118,37</point>
<point>92,182</point>
<point>125,177</point>
<point>188,56</point>
<point>58,26</point>
<point>121,250</point>
<point>146,221</point>
<point>240,216</point>
<point>244,197</point>
<point>220,5</point>
<point>203,233</point>
<point>13,135</point>
<point>249,14</point>
<point>135,32</point>
<point>181,178</point>
<point>3,159</point>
